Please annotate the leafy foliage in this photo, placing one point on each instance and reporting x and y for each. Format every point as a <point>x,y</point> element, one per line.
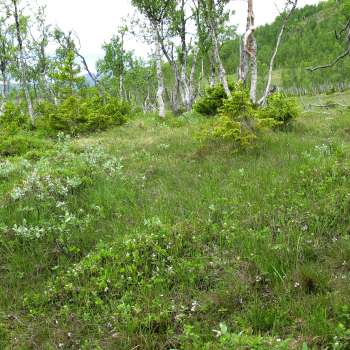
<point>22,143</point>
<point>12,118</point>
<point>212,100</point>
<point>281,109</point>
<point>240,121</point>
<point>78,115</point>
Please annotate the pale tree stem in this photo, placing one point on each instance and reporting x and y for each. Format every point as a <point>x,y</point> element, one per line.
<point>262,101</point>
<point>294,3</point>
<point>254,68</point>
<point>185,87</point>
<point>23,65</point>
<point>222,71</point>
<point>192,76</point>
<point>160,78</point>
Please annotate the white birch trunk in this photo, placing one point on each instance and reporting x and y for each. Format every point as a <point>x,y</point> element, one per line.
<point>26,89</point>
<point>185,87</point>
<point>160,79</point>
<point>23,65</point>
<point>121,86</point>
<point>294,3</point>
<point>243,67</point>
<point>254,69</point>
<point>192,76</point>
<point>212,81</point>
<point>262,101</point>
<point>222,72</point>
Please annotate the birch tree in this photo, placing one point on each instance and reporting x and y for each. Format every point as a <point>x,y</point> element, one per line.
<point>15,12</point>
<point>289,8</point>
<point>177,29</point>
<point>249,53</point>
<point>157,12</point>
<point>212,11</point>
<point>115,61</point>
<point>7,52</point>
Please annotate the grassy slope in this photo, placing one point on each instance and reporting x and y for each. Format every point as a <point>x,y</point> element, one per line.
<point>255,241</point>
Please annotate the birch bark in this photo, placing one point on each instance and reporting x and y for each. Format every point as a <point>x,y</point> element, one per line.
<point>160,78</point>
<point>23,64</point>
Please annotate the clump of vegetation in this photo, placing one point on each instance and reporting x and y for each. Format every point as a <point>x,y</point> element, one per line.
<point>240,121</point>
<point>21,143</point>
<point>77,115</point>
<point>281,109</point>
<point>13,118</point>
<point>212,100</point>
<point>237,119</point>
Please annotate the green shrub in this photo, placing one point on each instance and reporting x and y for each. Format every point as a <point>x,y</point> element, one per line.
<point>281,109</point>
<point>238,119</point>
<point>21,144</point>
<point>212,101</point>
<point>76,115</point>
<point>13,118</point>
<point>117,109</point>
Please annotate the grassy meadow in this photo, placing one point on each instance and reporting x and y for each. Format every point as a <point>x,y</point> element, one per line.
<point>144,237</point>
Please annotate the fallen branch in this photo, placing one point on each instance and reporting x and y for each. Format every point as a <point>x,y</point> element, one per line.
<point>330,105</point>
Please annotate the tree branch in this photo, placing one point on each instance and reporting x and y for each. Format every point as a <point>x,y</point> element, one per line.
<point>329,65</point>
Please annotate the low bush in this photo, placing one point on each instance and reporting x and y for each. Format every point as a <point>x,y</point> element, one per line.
<point>13,118</point>
<point>239,120</point>
<point>21,144</point>
<point>280,108</point>
<point>77,115</point>
<point>212,101</point>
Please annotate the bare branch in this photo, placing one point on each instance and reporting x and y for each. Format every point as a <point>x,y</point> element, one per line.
<point>329,65</point>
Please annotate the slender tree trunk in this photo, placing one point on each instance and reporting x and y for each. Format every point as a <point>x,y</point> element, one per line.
<point>23,65</point>
<point>212,80</point>
<point>175,103</point>
<point>185,88</point>
<point>251,50</point>
<point>222,72</point>
<point>263,100</point>
<point>177,89</point>
<point>249,54</point>
<point>121,78</point>
<point>192,76</point>
<point>160,78</point>
<point>4,85</point>
<point>121,86</point>
<point>254,70</point>
<point>244,64</point>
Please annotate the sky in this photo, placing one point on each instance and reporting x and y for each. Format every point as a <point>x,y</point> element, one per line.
<point>95,21</point>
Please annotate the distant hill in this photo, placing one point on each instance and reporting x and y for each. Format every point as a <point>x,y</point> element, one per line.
<point>310,40</point>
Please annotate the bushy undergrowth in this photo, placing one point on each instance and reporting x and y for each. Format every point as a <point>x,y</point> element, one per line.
<point>281,109</point>
<point>239,120</point>
<point>74,115</point>
<point>23,143</point>
<point>13,118</point>
<point>229,279</point>
<point>212,101</point>
<point>77,115</point>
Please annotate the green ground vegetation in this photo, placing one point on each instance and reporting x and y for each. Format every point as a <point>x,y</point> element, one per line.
<point>147,237</point>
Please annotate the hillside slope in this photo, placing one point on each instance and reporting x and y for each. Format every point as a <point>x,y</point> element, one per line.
<point>144,238</point>
<point>309,41</point>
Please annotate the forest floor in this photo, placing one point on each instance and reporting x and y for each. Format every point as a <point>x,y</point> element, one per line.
<point>142,237</point>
